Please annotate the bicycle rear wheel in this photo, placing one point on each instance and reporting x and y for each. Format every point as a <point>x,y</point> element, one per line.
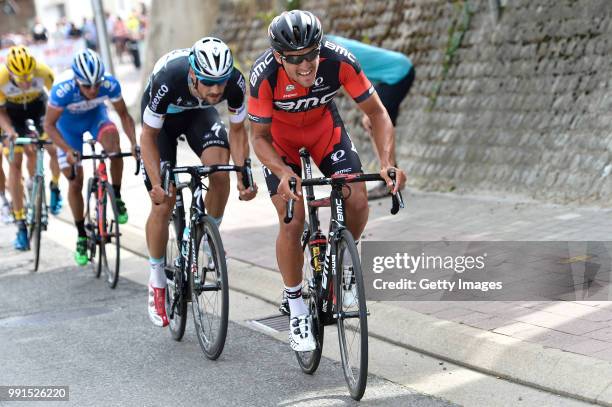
<point>108,258</point>
<point>176,294</point>
<point>352,316</point>
<point>309,361</point>
<point>209,289</point>
<point>91,226</point>
<point>36,226</point>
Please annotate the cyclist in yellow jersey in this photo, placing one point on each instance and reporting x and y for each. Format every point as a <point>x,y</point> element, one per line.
<point>22,96</point>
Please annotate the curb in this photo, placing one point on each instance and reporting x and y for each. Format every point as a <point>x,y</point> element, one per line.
<point>553,370</point>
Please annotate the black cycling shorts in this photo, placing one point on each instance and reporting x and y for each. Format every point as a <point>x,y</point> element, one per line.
<point>392,96</point>
<point>34,110</point>
<point>202,128</point>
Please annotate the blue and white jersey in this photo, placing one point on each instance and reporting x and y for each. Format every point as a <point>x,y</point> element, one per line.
<point>65,94</point>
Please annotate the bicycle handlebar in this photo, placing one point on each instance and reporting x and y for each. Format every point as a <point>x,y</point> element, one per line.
<point>203,170</point>
<point>343,179</point>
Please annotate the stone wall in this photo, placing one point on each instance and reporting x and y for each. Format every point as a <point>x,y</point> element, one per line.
<point>523,105</point>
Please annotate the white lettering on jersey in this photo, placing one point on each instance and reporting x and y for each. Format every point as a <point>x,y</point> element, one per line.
<point>305,103</point>
<point>259,68</point>
<point>341,50</point>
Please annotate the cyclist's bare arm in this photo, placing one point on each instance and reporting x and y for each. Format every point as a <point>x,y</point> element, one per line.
<point>126,120</point>
<point>239,149</point>
<point>382,128</point>
<point>5,122</point>
<point>261,137</point>
<point>50,125</point>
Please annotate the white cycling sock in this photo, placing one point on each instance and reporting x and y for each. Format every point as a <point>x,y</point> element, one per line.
<point>3,200</point>
<point>296,303</point>
<point>217,220</point>
<point>157,277</point>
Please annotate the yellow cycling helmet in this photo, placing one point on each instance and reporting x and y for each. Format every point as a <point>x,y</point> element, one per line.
<point>20,61</point>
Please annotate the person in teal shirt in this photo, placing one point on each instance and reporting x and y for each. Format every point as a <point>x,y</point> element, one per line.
<point>392,74</point>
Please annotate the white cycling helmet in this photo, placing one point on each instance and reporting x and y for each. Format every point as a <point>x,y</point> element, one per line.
<point>211,60</point>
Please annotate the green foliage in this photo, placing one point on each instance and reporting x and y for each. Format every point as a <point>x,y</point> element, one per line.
<point>456,32</point>
<point>293,5</point>
<point>266,17</point>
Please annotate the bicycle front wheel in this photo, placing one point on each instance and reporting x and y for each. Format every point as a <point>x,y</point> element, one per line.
<point>309,361</point>
<point>91,226</point>
<point>108,229</point>
<point>209,289</point>
<point>36,225</point>
<point>176,294</point>
<point>352,316</point>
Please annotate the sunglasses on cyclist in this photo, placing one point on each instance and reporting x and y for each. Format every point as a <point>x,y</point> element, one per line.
<point>89,86</point>
<point>207,82</point>
<point>297,59</point>
<point>23,79</point>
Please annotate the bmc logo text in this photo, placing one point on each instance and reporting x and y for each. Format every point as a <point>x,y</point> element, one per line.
<point>259,68</point>
<point>306,103</point>
<point>340,50</point>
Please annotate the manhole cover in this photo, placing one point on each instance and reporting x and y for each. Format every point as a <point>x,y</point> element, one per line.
<point>276,323</point>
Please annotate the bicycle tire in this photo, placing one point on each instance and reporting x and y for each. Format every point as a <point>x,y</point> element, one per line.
<point>352,317</point>
<point>111,227</point>
<point>211,344</point>
<point>36,226</point>
<point>309,361</point>
<point>91,227</point>
<point>178,321</point>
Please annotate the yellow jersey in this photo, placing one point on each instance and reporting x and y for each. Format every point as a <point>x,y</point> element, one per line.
<point>12,96</point>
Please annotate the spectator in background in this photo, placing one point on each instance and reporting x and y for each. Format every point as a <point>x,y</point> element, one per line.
<point>39,32</point>
<point>73,32</point>
<point>120,36</point>
<point>392,74</point>
<point>133,26</point>
<point>90,34</point>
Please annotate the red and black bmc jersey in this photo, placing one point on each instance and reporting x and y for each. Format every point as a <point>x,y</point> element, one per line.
<point>275,96</point>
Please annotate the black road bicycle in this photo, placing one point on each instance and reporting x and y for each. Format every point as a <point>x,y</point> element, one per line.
<point>101,223</point>
<point>37,211</point>
<point>334,281</point>
<point>195,267</point>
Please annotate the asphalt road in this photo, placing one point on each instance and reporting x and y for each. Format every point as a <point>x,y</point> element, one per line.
<point>61,326</point>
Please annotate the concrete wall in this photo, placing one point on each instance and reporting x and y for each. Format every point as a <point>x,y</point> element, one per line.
<point>524,105</point>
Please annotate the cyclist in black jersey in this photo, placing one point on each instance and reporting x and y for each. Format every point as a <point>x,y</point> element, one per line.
<point>179,100</point>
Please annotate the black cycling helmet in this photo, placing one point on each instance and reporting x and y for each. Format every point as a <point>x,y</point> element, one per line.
<point>294,30</point>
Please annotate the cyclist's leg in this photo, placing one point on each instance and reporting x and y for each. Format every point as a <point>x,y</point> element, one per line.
<point>72,132</point>
<point>207,136</point>
<point>335,153</point>
<point>157,226</point>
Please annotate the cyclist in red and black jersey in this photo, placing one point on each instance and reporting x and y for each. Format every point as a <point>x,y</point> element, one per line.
<point>291,106</point>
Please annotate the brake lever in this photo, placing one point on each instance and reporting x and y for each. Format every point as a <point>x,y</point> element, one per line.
<point>290,202</point>
<point>397,201</point>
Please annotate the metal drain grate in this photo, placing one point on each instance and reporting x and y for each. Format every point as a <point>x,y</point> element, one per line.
<point>276,323</point>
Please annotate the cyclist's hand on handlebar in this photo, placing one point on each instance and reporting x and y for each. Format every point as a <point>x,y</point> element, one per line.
<point>400,178</point>
<point>246,194</point>
<point>136,151</point>
<point>283,187</point>
<point>73,157</point>
<point>158,195</point>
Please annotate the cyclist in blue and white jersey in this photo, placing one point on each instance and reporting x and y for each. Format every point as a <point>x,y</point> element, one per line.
<point>77,105</point>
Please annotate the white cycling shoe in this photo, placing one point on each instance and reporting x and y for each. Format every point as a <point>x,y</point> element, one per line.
<point>300,334</point>
<point>6,214</point>
<point>157,306</point>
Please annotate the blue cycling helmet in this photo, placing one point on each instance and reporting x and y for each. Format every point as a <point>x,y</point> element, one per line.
<point>88,67</point>
<point>211,60</point>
